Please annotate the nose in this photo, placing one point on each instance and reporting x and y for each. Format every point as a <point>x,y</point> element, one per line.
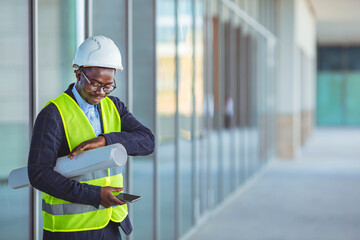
<point>101,91</point>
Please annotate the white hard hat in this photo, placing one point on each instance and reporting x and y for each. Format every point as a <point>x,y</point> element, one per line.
<point>98,51</point>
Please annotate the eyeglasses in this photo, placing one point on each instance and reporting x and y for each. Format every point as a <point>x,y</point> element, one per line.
<point>96,87</point>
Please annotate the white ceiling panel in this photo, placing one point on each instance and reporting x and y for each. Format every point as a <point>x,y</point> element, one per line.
<point>338,21</point>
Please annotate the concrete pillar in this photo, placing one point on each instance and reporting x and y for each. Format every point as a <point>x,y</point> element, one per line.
<point>305,34</point>
<point>288,87</point>
<point>296,76</point>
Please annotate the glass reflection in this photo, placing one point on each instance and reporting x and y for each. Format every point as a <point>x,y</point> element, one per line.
<point>200,144</point>
<point>213,105</point>
<point>57,47</point>
<point>185,108</point>
<point>106,18</point>
<point>14,118</point>
<point>143,100</point>
<point>166,108</point>
<point>227,100</point>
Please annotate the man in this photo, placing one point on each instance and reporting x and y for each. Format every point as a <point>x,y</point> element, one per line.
<point>80,119</point>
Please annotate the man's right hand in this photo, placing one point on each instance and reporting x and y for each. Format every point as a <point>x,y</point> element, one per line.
<point>107,197</point>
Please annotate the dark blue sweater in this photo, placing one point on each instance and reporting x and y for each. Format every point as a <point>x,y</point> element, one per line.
<point>49,142</point>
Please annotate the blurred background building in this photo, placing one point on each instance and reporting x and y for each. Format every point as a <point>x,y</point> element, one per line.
<point>226,86</point>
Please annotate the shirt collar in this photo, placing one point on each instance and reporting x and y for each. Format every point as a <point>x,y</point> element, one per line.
<point>82,103</point>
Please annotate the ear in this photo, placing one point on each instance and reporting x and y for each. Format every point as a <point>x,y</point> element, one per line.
<point>78,74</point>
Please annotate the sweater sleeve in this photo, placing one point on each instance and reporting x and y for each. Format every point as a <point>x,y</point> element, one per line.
<point>134,136</point>
<point>46,146</point>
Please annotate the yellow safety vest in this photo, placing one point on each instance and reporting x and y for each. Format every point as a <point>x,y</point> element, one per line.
<point>63,216</point>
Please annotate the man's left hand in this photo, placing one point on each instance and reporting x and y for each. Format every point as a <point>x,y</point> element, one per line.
<point>88,145</point>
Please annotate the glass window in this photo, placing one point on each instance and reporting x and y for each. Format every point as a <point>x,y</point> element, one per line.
<point>329,58</point>
<point>213,104</point>
<point>227,101</point>
<point>200,143</point>
<point>185,108</point>
<point>253,130</point>
<point>210,137</point>
<point>166,108</point>
<point>109,20</point>
<point>330,107</point>
<point>243,96</point>
<point>143,108</point>
<point>57,47</point>
<point>14,118</point>
<point>239,139</point>
<point>354,58</point>
<point>336,92</point>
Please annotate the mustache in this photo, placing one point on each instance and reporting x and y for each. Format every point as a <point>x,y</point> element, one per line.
<point>98,95</point>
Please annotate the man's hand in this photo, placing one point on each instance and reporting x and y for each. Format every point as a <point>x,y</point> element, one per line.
<point>107,197</point>
<point>88,145</point>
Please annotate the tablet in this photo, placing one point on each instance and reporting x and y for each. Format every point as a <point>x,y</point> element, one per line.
<point>128,197</point>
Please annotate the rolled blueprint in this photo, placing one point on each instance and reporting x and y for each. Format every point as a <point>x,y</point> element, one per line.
<point>110,156</point>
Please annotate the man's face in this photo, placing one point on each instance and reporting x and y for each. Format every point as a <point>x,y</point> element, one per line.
<point>96,75</point>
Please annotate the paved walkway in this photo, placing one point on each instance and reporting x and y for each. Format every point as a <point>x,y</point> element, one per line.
<point>316,197</point>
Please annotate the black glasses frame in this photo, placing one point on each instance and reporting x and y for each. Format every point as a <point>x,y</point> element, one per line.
<point>96,87</point>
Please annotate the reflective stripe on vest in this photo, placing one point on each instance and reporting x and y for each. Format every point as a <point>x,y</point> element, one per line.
<point>63,216</point>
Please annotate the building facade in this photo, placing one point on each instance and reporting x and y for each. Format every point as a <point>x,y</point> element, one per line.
<point>225,86</point>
